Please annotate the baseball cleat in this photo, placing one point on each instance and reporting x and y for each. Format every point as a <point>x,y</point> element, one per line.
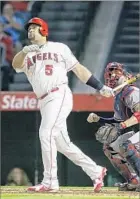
<point>131,186</point>
<point>98,183</point>
<point>42,188</point>
<point>126,187</point>
<point>138,188</point>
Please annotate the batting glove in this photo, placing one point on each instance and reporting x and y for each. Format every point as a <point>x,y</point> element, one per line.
<point>93,118</point>
<point>106,91</point>
<point>30,48</point>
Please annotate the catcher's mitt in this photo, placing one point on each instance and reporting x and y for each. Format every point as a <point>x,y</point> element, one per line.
<point>107,134</point>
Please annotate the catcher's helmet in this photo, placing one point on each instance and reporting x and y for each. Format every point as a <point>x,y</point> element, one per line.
<point>113,72</point>
<point>43,25</point>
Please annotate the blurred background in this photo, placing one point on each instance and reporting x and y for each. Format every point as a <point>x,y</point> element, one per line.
<point>97,32</point>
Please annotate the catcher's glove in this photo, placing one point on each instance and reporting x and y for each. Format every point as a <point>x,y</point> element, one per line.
<point>107,134</point>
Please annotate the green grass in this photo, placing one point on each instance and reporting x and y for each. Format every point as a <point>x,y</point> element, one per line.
<point>83,193</point>
<point>37,196</point>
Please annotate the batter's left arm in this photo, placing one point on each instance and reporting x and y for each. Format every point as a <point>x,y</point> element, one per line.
<point>88,78</point>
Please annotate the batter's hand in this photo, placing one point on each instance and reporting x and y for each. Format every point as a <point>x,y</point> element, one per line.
<point>30,48</point>
<point>93,118</point>
<point>107,91</point>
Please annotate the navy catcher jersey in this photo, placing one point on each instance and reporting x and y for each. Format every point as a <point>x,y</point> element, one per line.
<point>125,102</point>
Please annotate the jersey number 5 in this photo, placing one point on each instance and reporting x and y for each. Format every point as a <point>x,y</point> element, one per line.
<point>49,69</point>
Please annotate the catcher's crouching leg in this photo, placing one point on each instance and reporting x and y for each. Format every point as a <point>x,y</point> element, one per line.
<point>120,164</point>
<point>129,151</point>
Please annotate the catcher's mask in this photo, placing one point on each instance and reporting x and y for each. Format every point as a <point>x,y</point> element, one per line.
<point>40,22</point>
<point>113,72</point>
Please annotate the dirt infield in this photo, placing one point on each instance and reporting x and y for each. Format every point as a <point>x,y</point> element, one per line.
<point>107,192</point>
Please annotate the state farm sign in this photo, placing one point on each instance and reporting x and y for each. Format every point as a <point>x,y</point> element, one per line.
<point>27,101</point>
<point>18,101</point>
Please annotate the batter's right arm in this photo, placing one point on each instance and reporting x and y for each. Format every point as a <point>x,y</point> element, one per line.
<point>18,60</point>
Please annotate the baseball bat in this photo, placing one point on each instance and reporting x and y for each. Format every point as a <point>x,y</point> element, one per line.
<point>129,81</point>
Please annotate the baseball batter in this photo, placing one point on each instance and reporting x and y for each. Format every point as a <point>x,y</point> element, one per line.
<point>46,65</point>
<point>121,146</point>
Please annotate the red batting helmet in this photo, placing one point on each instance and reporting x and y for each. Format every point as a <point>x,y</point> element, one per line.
<point>43,25</point>
<point>113,72</point>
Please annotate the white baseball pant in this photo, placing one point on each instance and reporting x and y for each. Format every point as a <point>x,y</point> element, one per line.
<point>54,137</point>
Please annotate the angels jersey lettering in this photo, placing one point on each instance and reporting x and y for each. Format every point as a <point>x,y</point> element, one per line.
<point>47,68</point>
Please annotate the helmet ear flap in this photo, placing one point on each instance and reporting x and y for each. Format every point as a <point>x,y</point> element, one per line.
<point>42,31</point>
<point>126,71</point>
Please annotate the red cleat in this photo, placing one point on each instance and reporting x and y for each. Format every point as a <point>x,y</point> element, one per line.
<point>42,188</point>
<point>98,183</point>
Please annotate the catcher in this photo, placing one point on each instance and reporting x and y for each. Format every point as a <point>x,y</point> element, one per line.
<point>120,142</point>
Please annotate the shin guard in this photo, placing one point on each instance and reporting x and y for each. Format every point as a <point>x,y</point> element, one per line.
<point>119,163</point>
<point>129,151</point>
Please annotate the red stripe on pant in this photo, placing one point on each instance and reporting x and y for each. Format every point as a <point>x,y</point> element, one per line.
<point>51,134</point>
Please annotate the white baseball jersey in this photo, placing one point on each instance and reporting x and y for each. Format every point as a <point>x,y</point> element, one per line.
<point>47,68</point>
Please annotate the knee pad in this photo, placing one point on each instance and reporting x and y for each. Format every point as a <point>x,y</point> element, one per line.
<point>127,148</point>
